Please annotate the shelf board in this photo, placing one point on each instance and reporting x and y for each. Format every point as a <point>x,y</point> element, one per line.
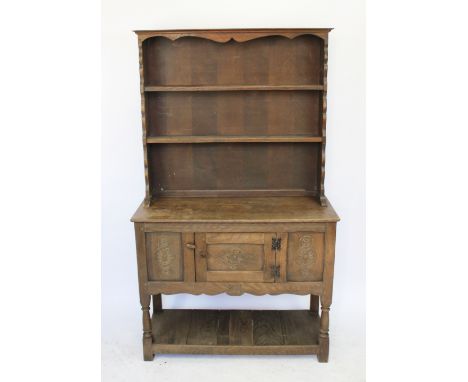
<point>215,88</point>
<point>233,139</point>
<point>235,332</point>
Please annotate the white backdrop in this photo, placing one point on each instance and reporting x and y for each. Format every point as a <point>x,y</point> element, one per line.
<point>122,165</point>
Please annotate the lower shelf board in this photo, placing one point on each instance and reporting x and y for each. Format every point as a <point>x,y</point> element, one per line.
<point>235,332</point>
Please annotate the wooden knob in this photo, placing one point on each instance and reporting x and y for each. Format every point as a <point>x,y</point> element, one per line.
<point>189,245</point>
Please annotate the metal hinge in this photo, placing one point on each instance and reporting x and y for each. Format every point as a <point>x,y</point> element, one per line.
<point>275,271</point>
<point>276,243</point>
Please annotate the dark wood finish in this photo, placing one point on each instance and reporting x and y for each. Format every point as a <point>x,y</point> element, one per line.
<point>308,324</point>
<point>237,210</point>
<point>282,257</point>
<point>236,350</point>
<point>305,256</point>
<point>257,94</point>
<point>224,113</point>
<point>157,303</point>
<point>241,328</point>
<point>164,256</point>
<point>234,133</point>
<point>269,60</point>
<point>326,296</point>
<point>239,35</point>
<point>267,328</point>
<point>275,226</point>
<point>253,113</point>
<point>145,298</point>
<point>234,139</point>
<point>235,332</point>
<point>189,256</point>
<point>203,328</point>
<point>233,167</point>
<point>172,328</point>
<point>234,288</point>
<point>323,200</point>
<point>314,304</point>
<point>234,257</point>
<point>212,88</point>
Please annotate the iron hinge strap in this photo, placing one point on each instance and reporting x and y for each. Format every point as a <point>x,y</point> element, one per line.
<point>275,271</point>
<point>276,243</point>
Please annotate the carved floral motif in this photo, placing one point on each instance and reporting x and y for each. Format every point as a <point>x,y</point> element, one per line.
<point>234,259</point>
<point>306,253</point>
<point>164,256</point>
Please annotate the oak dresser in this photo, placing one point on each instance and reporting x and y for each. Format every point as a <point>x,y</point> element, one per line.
<point>234,141</point>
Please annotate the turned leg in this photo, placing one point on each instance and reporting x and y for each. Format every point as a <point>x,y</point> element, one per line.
<point>147,332</point>
<point>324,340</point>
<point>157,303</point>
<point>326,296</point>
<point>314,305</point>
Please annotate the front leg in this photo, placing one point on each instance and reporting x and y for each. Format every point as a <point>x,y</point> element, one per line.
<point>326,296</point>
<point>324,340</point>
<point>145,299</point>
<point>147,330</point>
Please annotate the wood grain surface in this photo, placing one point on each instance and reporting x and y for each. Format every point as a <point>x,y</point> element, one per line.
<point>255,98</point>
<point>251,332</point>
<point>236,210</point>
<point>234,136</point>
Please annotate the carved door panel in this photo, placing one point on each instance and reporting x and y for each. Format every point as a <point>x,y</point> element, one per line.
<point>304,257</point>
<point>170,256</point>
<point>234,257</point>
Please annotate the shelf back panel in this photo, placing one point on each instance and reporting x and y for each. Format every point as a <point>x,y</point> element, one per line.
<point>264,61</point>
<point>192,169</point>
<point>234,113</point>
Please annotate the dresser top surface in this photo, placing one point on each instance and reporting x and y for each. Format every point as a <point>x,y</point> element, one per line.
<point>293,209</point>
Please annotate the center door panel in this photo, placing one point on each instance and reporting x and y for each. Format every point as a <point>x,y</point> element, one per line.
<point>234,257</point>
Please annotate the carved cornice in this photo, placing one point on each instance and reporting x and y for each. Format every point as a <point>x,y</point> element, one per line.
<point>239,35</point>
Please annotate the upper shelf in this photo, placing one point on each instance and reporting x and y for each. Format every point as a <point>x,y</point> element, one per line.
<point>215,88</point>
<point>233,139</point>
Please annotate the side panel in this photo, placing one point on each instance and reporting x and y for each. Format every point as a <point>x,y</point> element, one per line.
<point>305,256</point>
<point>165,256</point>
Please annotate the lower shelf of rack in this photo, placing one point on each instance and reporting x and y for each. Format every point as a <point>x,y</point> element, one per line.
<point>235,332</point>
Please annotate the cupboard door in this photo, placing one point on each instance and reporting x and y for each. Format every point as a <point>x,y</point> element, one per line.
<point>305,256</point>
<point>234,257</point>
<point>169,256</point>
